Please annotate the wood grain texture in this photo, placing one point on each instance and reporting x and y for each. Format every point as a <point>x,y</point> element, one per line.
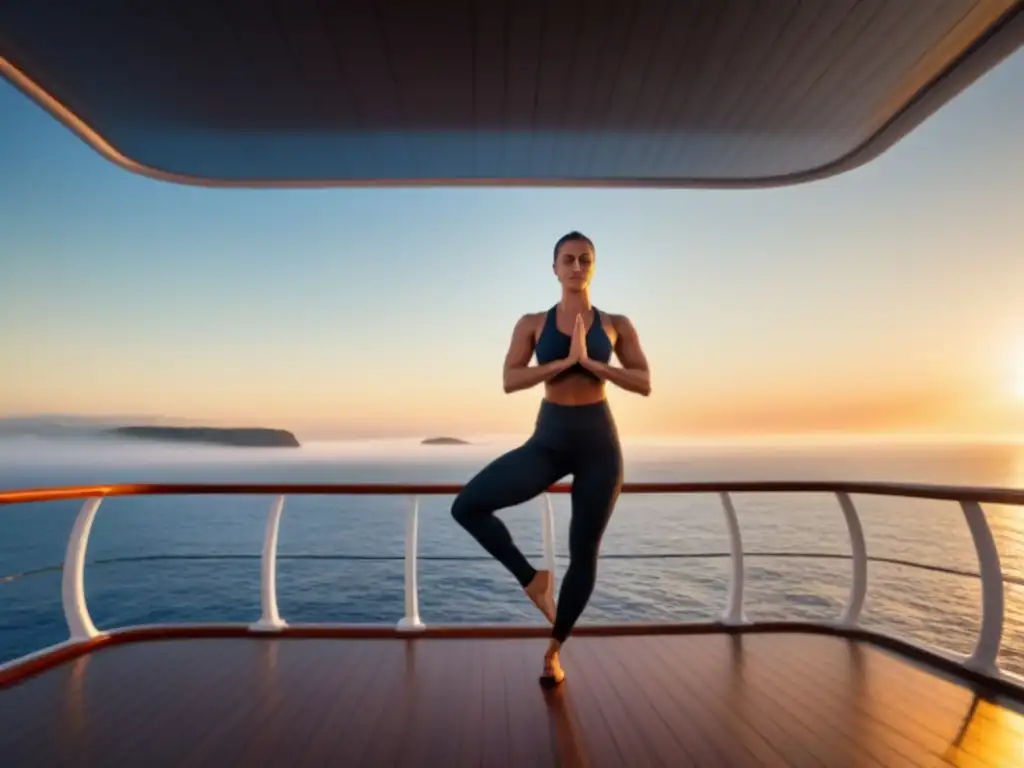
<point>659,700</point>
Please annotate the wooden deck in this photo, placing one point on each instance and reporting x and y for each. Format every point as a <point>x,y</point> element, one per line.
<point>709,700</point>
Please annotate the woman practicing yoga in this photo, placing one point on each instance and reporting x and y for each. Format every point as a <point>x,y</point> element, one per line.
<point>574,434</point>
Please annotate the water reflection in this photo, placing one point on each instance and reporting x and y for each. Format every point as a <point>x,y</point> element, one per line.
<point>74,726</point>
<point>563,720</point>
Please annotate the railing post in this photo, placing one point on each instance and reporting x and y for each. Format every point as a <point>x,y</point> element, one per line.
<point>859,552</point>
<point>547,534</point>
<point>76,611</point>
<point>733,614</point>
<point>990,636</point>
<point>411,621</point>
<point>270,620</point>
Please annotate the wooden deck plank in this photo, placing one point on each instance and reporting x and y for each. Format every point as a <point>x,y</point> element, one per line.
<point>735,716</point>
<point>715,700</point>
<point>796,688</point>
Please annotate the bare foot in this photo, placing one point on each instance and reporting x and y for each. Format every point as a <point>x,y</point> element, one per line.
<point>541,591</point>
<point>553,674</point>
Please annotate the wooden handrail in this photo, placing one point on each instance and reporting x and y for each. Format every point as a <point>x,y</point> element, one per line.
<point>990,495</point>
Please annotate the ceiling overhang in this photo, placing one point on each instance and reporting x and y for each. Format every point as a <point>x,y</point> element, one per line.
<point>669,93</point>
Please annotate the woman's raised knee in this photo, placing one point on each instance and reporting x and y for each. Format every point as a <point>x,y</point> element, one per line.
<point>462,509</point>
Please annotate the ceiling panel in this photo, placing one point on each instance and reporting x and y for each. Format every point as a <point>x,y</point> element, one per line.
<point>647,92</point>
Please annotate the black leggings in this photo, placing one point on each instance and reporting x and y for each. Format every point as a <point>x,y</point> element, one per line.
<point>578,440</point>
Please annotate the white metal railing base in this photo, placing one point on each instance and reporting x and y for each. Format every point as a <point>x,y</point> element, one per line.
<point>982,668</point>
<point>268,626</point>
<point>410,625</point>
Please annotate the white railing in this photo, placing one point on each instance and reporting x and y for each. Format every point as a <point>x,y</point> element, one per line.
<point>993,611</point>
<point>983,659</point>
<point>270,619</point>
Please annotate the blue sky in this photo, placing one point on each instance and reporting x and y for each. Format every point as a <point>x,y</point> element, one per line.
<point>887,298</point>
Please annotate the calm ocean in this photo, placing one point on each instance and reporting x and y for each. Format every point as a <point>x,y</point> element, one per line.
<point>937,609</point>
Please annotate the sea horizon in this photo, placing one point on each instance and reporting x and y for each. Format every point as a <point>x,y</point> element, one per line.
<point>111,459</point>
<point>82,424</point>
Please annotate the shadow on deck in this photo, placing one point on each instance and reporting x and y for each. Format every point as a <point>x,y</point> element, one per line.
<point>710,700</point>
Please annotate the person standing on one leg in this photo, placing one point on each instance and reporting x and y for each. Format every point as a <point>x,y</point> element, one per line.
<point>574,434</point>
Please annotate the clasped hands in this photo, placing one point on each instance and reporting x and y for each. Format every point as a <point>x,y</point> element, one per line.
<point>578,346</point>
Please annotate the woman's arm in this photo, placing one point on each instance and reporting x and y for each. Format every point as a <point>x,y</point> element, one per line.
<point>635,374</point>
<point>518,373</point>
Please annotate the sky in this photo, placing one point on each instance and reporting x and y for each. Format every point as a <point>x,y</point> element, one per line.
<point>885,300</point>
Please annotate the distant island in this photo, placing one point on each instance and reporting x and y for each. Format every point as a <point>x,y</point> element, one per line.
<point>255,437</point>
<point>444,441</point>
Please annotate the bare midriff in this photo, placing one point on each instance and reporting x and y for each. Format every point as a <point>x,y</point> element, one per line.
<point>575,389</point>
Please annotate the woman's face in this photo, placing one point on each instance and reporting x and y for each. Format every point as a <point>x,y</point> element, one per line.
<point>574,264</point>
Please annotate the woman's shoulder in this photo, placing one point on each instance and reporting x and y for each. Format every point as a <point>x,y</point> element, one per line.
<point>621,324</point>
<point>531,322</point>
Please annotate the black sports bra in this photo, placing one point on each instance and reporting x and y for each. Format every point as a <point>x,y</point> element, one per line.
<point>554,345</point>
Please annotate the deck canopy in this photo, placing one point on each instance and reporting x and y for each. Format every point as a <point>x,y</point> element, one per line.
<point>578,92</point>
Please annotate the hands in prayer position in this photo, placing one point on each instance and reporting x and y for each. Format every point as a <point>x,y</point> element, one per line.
<point>578,347</point>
